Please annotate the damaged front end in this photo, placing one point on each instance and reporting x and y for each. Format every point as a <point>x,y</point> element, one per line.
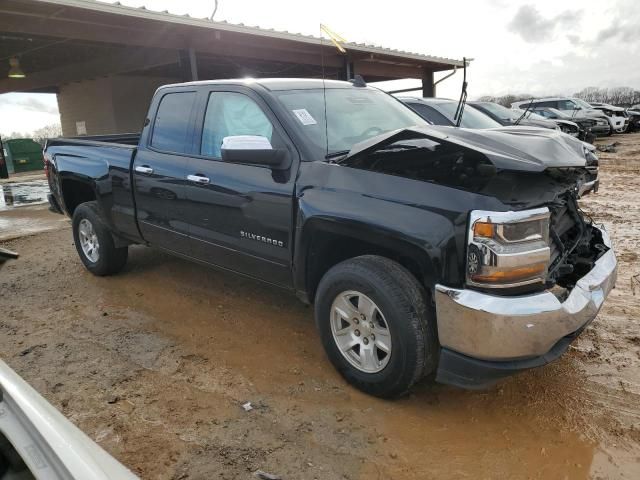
<point>575,244</point>
<point>537,270</point>
<point>543,240</point>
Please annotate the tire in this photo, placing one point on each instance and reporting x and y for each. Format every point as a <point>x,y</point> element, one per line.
<point>399,304</point>
<point>610,132</point>
<point>89,230</point>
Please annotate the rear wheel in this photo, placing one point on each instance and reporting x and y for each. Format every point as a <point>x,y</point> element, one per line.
<point>94,242</point>
<point>375,325</point>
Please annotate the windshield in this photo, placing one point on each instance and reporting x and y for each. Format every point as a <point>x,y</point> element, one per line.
<point>501,112</point>
<point>582,103</point>
<point>471,118</point>
<point>558,114</point>
<point>535,116</point>
<point>353,115</point>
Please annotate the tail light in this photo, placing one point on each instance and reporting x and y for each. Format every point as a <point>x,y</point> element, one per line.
<point>46,160</point>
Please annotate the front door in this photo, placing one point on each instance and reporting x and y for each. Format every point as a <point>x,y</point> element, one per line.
<point>159,171</point>
<point>240,216</point>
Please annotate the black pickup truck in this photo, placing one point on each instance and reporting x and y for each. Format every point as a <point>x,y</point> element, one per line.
<point>427,251</point>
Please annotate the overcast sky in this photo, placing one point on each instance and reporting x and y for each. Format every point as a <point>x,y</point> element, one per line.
<point>538,47</point>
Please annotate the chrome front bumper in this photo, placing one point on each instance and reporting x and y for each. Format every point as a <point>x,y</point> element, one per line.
<point>503,328</point>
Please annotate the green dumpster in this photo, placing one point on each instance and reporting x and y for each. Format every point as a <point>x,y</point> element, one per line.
<point>23,154</point>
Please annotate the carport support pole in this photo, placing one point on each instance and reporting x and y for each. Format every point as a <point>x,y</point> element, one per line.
<point>193,63</point>
<point>428,87</point>
<point>188,64</point>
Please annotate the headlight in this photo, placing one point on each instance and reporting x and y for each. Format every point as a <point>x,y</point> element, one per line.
<point>508,249</point>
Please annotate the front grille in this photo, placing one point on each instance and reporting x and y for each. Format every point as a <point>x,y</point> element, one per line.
<point>567,229</point>
<point>562,222</point>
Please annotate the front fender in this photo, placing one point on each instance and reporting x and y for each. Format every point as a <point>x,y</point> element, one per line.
<point>426,238</point>
<point>423,222</point>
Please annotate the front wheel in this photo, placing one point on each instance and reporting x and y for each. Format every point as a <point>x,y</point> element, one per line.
<point>375,325</point>
<point>94,242</point>
<point>610,132</point>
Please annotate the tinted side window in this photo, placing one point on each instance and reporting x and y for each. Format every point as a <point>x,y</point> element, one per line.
<point>548,104</point>
<point>566,105</point>
<point>430,115</point>
<point>171,127</point>
<point>229,114</point>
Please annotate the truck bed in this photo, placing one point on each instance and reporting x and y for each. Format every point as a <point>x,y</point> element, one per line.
<point>95,167</point>
<point>127,140</point>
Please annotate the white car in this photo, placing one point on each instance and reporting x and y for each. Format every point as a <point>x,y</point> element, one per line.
<point>619,114</point>
<point>571,106</point>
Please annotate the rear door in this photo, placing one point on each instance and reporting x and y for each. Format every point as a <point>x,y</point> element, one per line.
<point>159,170</point>
<point>240,215</point>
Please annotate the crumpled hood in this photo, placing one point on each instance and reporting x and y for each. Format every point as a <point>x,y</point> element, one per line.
<point>535,122</point>
<point>509,148</point>
<point>593,112</point>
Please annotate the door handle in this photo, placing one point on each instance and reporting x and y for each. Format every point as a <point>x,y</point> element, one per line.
<point>198,178</point>
<point>147,170</point>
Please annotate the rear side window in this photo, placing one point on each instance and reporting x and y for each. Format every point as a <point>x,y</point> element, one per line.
<point>429,114</point>
<point>546,104</point>
<point>171,128</point>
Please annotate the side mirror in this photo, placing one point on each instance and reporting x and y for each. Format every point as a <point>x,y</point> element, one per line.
<point>254,149</point>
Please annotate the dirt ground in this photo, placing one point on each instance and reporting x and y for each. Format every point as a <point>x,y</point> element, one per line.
<point>155,364</point>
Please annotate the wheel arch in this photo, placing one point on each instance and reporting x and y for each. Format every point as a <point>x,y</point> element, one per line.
<point>76,190</point>
<point>326,242</point>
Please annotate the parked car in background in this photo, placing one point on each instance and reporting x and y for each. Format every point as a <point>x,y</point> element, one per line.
<point>506,116</point>
<point>596,125</point>
<point>571,106</point>
<point>440,111</point>
<point>612,111</point>
<point>456,253</point>
<point>634,119</point>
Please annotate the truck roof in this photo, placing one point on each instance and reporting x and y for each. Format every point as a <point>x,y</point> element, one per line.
<point>273,84</point>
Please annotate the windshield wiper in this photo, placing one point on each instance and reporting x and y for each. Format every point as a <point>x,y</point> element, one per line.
<point>524,113</point>
<point>457,118</point>
<point>338,154</point>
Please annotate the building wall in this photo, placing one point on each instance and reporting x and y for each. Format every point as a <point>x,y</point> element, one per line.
<point>89,101</point>
<point>107,105</point>
<point>131,97</point>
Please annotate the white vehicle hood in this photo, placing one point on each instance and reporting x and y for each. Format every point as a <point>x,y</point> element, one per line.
<point>50,445</point>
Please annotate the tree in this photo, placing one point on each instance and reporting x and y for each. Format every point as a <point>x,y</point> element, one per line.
<point>622,96</point>
<point>49,131</point>
<point>506,100</point>
<point>13,135</point>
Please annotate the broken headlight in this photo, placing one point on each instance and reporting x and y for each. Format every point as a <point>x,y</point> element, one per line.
<point>508,249</point>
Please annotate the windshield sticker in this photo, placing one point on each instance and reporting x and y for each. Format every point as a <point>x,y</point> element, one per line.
<point>304,117</point>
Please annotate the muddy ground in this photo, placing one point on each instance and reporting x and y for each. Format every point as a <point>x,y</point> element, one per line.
<point>155,363</point>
